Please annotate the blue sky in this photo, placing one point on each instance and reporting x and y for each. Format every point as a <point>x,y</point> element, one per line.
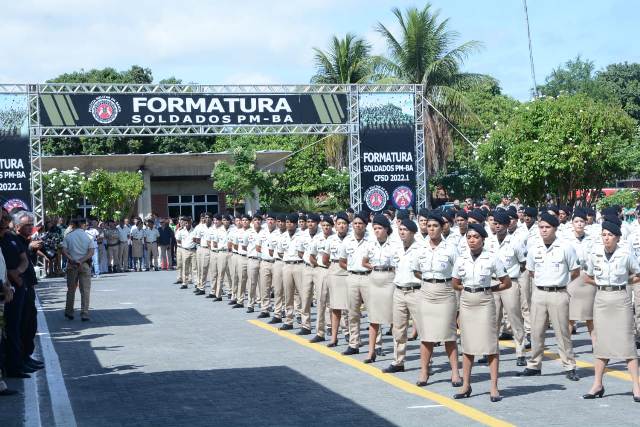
<point>225,42</point>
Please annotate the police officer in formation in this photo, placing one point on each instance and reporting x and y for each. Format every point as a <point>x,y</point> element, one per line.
<point>450,274</point>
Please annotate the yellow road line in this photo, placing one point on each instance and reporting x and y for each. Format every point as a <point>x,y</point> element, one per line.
<point>555,356</point>
<point>403,385</point>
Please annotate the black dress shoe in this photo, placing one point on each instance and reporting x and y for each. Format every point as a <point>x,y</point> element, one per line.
<point>196,290</point>
<point>33,361</point>
<point>232,302</point>
<point>184,287</point>
<point>237,306</point>
<point>177,282</point>
<point>275,320</point>
<point>494,399</point>
<point>8,392</point>
<point>68,316</point>
<point>571,375</point>
<point>85,319</point>
<point>304,331</point>
<point>483,360</point>
<point>33,366</point>
<point>464,395</point>
<point>636,398</point>
<point>412,338</point>
<point>527,345</point>
<point>392,369</point>
<point>316,339</point>
<point>211,296</point>
<point>218,299</point>
<point>421,383</point>
<point>520,361</point>
<point>27,370</point>
<point>389,332</point>
<point>263,315</point>
<point>250,310</point>
<point>333,344</point>
<point>598,393</point>
<point>17,374</point>
<point>350,350</point>
<point>456,383</point>
<point>529,373</point>
<point>286,327</point>
<point>370,359</point>
<point>200,292</point>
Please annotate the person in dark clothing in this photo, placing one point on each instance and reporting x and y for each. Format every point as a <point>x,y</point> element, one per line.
<point>164,243</point>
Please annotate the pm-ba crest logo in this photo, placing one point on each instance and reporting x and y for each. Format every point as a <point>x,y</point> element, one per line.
<point>376,198</point>
<point>104,109</point>
<point>402,197</point>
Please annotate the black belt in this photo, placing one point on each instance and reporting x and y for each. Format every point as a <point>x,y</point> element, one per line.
<point>189,249</point>
<point>293,262</point>
<point>269,260</point>
<point>384,269</point>
<point>308,264</point>
<point>322,266</point>
<point>244,255</point>
<point>221,250</point>
<point>476,290</point>
<point>359,273</point>
<point>436,280</point>
<point>551,288</point>
<point>610,288</point>
<point>409,288</point>
<point>135,239</point>
<point>254,257</point>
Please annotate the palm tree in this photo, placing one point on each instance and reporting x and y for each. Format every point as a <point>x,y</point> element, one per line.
<point>424,53</point>
<point>347,60</point>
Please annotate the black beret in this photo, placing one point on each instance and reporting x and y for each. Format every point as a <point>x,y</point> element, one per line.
<point>350,210</point>
<point>257,216</point>
<point>313,217</point>
<point>512,211</point>
<point>580,213</point>
<point>281,217</point>
<point>245,216</point>
<point>363,216</point>
<point>590,212</point>
<point>566,209</point>
<point>462,214</point>
<point>228,217</point>
<point>423,212</point>
<point>549,219</point>
<point>218,217</point>
<point>382,221</point>
<point>477,215</point>
<point>293,217</point>
<point>502,217</point>
<point>327,219</point>
<point>436,216</point>
<point>410,225</point>
<point>343,216</point>
<point>302,216</point>
<point>609,211</point>
<point>612,227</point>
<point>613,218</point>
<point>448,215</point>
<point>402,214</point>
<point>554,208</point>
<point>531,211</point>
<point>271,215</point>
<point>478,228</point>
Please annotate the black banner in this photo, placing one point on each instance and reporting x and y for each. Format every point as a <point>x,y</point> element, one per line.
<point>15,170</point>
<point>117,109</point>
<point>387,151</point>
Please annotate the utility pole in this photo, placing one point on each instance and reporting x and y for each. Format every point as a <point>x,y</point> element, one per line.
<point>534,90</point>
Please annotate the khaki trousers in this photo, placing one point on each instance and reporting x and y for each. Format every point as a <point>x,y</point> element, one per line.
<point>113,252</point>
<point>358,288</point>
<point>253,277</point>
<point>179,256</point>
<point>278,288</point>
<point>224,259</point>
<point>554,307</point>
<point>241,272</point>
<point>266,281</point>
<point>321,291</point>
<point>526,283</point>
<point>292,281</point>
<point>202,254</point>
<point>234,275</point>
<point>635,296</point>
<point>187,265</point>
<point>509,300</point>
<point>123,252</point>
<point>406,305</point>
<point>152,255</point>
<point>213,271</point>
<point>165,257</point>
<point>78,275</point>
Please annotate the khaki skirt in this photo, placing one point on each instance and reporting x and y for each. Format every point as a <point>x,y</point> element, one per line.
<point>136,248</point>
<point>478,330</point>
<point>381,288</point>
<point>438,307</point>
<point>613,326</point>
<point>338,289</point>
<point>581,297</point>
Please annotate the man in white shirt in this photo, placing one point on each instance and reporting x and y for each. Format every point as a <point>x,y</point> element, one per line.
<point>267,262</point>
<point>187,248</point>
<point>201,236</point>
<point>291,270</point>
<point>253,260</point>
<point>78,248</point>
<point>123,250</point>
<point>151,235</point>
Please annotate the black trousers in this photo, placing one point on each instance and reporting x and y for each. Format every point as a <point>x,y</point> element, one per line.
<point>29,326</point>
<point>13,325</point>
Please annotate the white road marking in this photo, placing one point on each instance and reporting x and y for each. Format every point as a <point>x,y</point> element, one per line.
<point>31,401</point>
<point>61,405</point>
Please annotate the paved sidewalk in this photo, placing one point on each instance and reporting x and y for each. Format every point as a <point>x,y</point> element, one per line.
<point>156,355</point>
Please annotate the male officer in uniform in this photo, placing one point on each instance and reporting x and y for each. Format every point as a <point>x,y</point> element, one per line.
<point>221,245</point>
<point>240,244</point>
<point>267,262</point>
<point>321,270</point>
<point>212,233</point>
<point>187,247</point>
<point>201,236</point>
<point>253,260</point>
<point>552,263</point>
<point>304,248</point>
<point>123,251</point>
<point>278,265</point>
<point>291,270</point>
<point>113,246</point>
<point>151,235</point>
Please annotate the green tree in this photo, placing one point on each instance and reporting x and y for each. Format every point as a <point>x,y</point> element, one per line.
<point>559,146</point>
<point>424,53</point>
<point>62,192</point>
<point>622,82</point>
<point>113,194</point>
<point>135,74</point>
<point>625,198</point>
<point>574,76</point>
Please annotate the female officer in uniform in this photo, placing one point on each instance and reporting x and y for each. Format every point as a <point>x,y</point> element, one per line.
<point>479,336</point>
<point>437,322</point>
<point>580,296</point>
<point>610,268</point>
<point>337,277</point>
<point>379,259</point>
